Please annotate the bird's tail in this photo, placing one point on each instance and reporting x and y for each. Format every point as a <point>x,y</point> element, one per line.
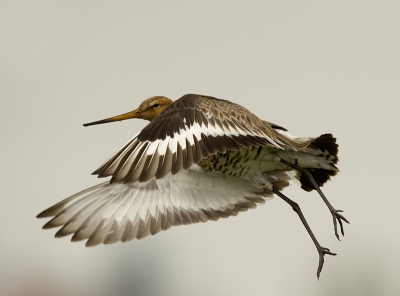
<point>325,149</point>
<point>326,143</point>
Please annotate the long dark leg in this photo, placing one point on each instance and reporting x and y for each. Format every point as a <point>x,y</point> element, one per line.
<point>335,213</point>
<point>321,250</point>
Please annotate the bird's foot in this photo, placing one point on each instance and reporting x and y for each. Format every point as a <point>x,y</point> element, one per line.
<point>338,218</point>
<point>322,252</point>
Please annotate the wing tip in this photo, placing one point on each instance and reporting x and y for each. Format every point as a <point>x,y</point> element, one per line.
<point>46,213</point>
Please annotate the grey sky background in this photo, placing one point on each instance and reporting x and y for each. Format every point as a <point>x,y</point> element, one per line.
<point>311,66</point>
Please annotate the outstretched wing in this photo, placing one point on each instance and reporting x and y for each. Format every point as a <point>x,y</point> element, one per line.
<point>108,213</point>
<point>192,128</point>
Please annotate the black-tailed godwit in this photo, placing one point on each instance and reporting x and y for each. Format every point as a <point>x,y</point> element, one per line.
<point>199,159</point>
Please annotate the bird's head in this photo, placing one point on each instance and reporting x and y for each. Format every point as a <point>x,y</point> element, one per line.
<point>148,110</point>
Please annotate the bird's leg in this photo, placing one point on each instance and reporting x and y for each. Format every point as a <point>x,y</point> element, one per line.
<point>321,250</point>
<point>335,213</point>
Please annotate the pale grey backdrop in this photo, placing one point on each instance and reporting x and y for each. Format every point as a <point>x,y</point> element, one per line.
<point>311,66</point>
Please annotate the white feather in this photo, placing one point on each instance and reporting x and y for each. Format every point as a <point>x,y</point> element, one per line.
<point>183,196</point>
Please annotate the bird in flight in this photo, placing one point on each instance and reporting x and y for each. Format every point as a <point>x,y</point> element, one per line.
<point>200,158</point>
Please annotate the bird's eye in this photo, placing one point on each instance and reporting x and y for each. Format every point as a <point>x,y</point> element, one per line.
<point>156,105</point>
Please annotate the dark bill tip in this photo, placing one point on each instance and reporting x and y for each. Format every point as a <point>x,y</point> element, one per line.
<point>125,116</point>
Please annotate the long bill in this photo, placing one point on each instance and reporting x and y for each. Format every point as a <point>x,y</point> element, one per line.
<point>133,114</point>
